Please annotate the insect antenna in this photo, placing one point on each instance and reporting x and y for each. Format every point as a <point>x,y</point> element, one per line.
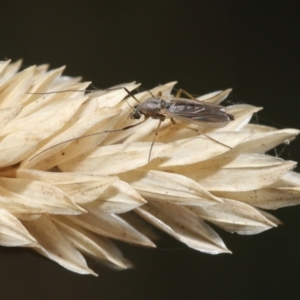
<point>90,91</point>
<point>96,133</point>
<point>58,92</point>
<point>87,90</point>
<point>88,135</point>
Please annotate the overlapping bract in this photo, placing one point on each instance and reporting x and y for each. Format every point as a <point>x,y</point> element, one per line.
<point>64,199</point>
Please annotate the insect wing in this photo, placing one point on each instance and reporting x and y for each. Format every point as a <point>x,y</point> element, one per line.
<point>192,111</point>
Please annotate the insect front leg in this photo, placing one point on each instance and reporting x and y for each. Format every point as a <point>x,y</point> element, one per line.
<point>127,91</point>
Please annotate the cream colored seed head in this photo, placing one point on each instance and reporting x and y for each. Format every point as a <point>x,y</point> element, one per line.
<point>78,196</point>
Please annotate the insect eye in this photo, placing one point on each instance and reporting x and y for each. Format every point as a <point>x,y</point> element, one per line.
<point>135,114</point>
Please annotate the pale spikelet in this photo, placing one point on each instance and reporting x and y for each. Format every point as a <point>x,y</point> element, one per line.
<point>72,198</point>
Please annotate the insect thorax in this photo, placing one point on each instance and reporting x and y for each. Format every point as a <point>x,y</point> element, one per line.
<point>151,107</point>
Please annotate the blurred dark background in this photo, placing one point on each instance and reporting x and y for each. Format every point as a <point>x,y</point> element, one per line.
<point>251,46</point>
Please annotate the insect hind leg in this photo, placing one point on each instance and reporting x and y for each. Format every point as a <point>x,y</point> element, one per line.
<point>181,91</point>
<point>209,137</point>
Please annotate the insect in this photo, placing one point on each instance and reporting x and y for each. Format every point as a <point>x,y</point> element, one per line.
<point>172,107</point>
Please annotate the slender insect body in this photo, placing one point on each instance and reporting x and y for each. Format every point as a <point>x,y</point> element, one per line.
<point>191,111</point>
<point>186,110</point>
<point>174,108</point>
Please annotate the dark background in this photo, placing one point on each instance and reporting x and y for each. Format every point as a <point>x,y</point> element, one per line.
<point>251,46</point>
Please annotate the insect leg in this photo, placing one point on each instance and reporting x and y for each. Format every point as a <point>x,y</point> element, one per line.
<point>178,94</point>
<point>209,137</point>
<point>216,141</point>
<point>157,129</point>
<point>181,91</point>
<point>127,91</point>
